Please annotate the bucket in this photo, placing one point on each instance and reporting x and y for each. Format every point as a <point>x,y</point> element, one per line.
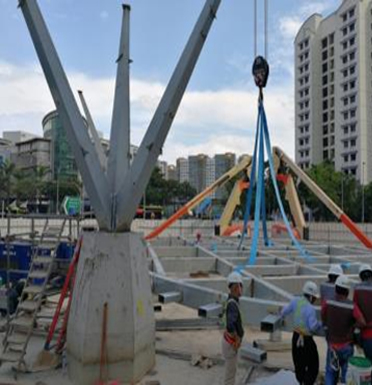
<point>359,372</point>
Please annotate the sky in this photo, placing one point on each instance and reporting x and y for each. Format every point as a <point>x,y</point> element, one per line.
<point>219,109</point>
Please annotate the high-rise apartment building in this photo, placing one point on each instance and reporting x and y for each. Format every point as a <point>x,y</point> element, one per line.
<point>222,164</point>
<point>333,90</point>
<point>182,165</point>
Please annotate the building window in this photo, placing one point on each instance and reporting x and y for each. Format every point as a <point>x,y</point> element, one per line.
<point>352,27</point>
<point>346,130</point>
<point>325,92</point>
<point>353,143</point>
<point>344,73</point>
<point>344,59</point>
<point>324,43</point>
<point>352,41</point>
<point>352,99</point>
<point>345,87</point>
<point>352,70</point>
<point>325,117</point>
<point>345,115</point>
<point>353,157</point>
<point>325,67</point>
<point>346,144</point>
<point>332,64</point>
<point>353,171</point>
<point>352,56</point>
<point>331,38</point>
<point>332,102</point>
<point>352,12</point>
<point>352,113</point>
<point>332,77</point>
<point>332,128</point>
<point>325,104</point>
<point>353,127</point>
<point>352,84</point>
<point>325,55</point>
<point>346,102</point>
<point>325,80</point>
<point>344,31</point>
<point>325,142</point>
<point>332,89</point>
<point>344,17</point>
<point>325,130</point>
<point>332,115</point>
<point>346,158</point>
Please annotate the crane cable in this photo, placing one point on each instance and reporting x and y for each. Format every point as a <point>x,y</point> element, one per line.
<point>266,29</point>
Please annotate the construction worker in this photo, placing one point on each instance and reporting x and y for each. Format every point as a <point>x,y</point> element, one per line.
<point>327,289</point>
<point>363,308</point>
<point>234,332</point>
<point>338,319</point>
<point>304,350</point>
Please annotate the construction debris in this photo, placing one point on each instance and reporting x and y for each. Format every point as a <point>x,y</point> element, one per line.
<point>201,361</point>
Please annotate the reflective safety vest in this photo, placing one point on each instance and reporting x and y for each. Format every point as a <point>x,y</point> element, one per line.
<point>363,299</point>
<point>339,321</point>
<point>299,320</point>
<point>327,291</point>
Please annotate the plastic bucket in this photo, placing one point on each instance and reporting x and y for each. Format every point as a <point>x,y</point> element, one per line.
<point>359,372</point>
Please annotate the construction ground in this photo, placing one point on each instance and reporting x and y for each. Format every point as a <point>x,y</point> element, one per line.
<point>188,278</point>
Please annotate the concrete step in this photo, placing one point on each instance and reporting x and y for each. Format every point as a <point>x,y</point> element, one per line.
<point>39,274</point>
<point>42,260</point>
<point>11,356</point>
<point>24,322</point>
<point>17,338</point>
<point>33,289</point>
<point>30,306</point>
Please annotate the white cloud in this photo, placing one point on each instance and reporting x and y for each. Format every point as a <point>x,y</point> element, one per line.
<point>289,26</point>
<point>207,121</point>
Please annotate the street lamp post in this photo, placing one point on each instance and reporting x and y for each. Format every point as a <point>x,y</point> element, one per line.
<point>363,164</point>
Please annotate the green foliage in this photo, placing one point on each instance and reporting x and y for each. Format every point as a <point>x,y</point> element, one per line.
<point>161,192</point>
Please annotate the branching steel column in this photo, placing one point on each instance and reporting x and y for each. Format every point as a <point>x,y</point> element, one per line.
<point>119,155</point>
<point>93,131</point>
<point>135,182</point>
<point>85,155</point>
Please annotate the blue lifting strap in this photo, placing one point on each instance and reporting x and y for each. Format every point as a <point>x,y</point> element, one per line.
<point>297,244</point>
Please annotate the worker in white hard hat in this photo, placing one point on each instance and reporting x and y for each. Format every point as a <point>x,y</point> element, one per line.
<point>304,350</point>
<point>234,332</point>
<point>338,319</point>
<point>327,289</point>
<point>363,308</point>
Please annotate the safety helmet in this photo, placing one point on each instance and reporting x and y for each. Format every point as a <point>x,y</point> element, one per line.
<point>311,288</point>
<point>335,270</point>
<point>234,277</point>
<point>343,281</point>
<point>364,267</point>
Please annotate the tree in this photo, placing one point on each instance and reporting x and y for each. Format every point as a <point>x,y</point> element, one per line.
<point>7,170</point>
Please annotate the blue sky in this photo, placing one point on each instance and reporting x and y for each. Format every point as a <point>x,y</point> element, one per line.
<point>219,108</point>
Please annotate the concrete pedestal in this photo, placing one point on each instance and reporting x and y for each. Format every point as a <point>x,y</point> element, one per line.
<point>112,269</point>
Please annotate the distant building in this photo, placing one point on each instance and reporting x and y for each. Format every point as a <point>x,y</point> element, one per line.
<point>182,167</point>
<point>201,171</point>
<point>172,172</point>
<point>222,164</point>
<point>163,166</point>
<point>62,159</point>
<point>18,136</point>
<point>5,150</point>
<point>333,90</point>
<point>32,154</point>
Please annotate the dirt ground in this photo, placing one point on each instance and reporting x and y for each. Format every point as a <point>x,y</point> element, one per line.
<point>170,370</point>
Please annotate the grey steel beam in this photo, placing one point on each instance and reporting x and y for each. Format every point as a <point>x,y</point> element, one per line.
<point>210,310</point>
<point>172,296</point>
<point>131,191</point>
<point>119,155</point>
<point>77,135</point>
<point>92,128</point>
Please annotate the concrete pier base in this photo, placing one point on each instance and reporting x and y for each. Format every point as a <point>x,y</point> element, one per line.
<point>112,269</point>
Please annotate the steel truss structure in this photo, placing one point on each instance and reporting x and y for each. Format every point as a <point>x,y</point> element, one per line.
<point>278,275</point>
